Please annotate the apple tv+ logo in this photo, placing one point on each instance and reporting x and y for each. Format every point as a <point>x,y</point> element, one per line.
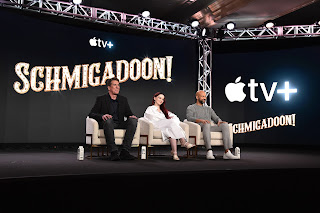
<point>94,42</point>
<point>234,91</point>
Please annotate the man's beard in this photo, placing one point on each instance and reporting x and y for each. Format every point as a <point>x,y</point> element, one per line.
<point>201,101</point>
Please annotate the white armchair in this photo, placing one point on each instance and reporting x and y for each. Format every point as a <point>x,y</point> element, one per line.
<point>95,136</point>
<point>152,137</point>
<point>196,135</point>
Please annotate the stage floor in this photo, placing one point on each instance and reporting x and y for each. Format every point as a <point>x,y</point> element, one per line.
<point>265,178</point>
<point>41,163</point>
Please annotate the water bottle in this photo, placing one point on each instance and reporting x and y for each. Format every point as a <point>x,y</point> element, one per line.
<point>237,152</point>
<point>80,155</point>
<point>143,152</point>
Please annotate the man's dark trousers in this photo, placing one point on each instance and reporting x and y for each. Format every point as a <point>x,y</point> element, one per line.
<point>130,125</point>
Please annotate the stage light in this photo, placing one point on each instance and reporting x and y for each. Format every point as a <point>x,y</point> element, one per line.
<point>230,25</point>
<point>195,23</point>
<point>269,24</point>
<point>77,1</point>
<point>204,32</point>
<point>207,32</point>
<point>145,14</point>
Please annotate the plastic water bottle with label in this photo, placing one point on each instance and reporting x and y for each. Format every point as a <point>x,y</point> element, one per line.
<point>237,152</point>
<point>143,152</point>
<point>80,155</point>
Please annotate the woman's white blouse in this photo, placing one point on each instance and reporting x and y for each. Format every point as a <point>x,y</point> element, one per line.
<point>170,128</point>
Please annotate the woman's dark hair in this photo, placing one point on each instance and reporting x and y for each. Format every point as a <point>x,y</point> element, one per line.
<point>162,106</point>
<point>112,79</point>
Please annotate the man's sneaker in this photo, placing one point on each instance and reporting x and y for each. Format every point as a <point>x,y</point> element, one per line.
<point>230,156</point>
<point>210,155</point>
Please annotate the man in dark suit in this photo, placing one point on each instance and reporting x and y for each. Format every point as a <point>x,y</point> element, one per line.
<point>110,110</point>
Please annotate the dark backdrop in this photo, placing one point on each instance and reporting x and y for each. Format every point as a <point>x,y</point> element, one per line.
<point>59,117</point>
<point>293,60</point>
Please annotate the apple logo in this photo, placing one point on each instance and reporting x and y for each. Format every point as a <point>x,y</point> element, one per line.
<point>234,91</point>
<point>93,42</point>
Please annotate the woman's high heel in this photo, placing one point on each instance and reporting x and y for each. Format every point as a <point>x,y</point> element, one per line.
<point>188,145</point>
<point>175,156</point>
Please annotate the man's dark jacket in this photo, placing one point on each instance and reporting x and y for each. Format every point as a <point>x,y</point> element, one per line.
<point>102,107</point>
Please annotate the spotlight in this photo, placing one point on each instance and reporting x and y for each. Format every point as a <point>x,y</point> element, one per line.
<point>204,32</point>
<point>145,14</point>
<point>195,23</point>
<point>77,1</point>
<point>230,25</point>
<point>207,32</point>
<point>269,24</point>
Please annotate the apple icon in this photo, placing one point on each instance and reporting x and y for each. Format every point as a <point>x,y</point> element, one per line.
<point>234,91</point>
<point>93,42</point>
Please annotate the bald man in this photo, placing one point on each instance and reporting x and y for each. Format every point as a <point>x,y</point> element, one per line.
<point>203,115</point>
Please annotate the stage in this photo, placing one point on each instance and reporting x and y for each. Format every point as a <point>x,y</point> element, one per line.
<point>264,176</point>
<point>63,162</point>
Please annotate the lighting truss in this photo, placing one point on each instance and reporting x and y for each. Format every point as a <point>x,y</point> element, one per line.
<point>294,31</point>
<point>98,15</point>
<point>205,68</point>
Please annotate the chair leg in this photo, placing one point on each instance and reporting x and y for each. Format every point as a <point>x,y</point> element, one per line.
<point>139,151</point>
<point>91,152</point>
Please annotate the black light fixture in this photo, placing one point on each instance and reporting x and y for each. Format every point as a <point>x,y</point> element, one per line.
<point>194,23</point>
<point>77,2</point>
<point>269,24</point>
<point>207,32</point>
<point>146,14</point>
<point>204,32</point>
<point>230,25</point>
<point>220,33</point>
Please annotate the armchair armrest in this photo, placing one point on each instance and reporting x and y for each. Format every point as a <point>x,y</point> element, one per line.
<point>146,128</point>
<point>92,128</point>
<point>194,130</point>
<point>185,127</point>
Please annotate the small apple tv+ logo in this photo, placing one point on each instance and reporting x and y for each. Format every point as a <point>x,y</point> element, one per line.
<point>234,91</point>
<point>97,42</point>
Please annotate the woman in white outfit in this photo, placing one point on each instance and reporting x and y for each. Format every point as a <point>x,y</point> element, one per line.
<point>167,122</point>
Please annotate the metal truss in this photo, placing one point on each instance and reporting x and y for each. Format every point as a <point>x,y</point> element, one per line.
<point>108,17</point>
<point>205,68</point>
<point>295,31</point>
<point>98,15</point>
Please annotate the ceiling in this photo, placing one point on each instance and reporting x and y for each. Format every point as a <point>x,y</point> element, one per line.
<point>214,13</point>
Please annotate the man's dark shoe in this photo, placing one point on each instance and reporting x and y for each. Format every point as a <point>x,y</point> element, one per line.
<point>125,155</point>
<point>114,156</point>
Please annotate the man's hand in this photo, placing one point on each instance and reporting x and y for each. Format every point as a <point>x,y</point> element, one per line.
<point>106,117</point>
<point>133,116</point>
<point>221,122</point>
<point>202,121</point>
